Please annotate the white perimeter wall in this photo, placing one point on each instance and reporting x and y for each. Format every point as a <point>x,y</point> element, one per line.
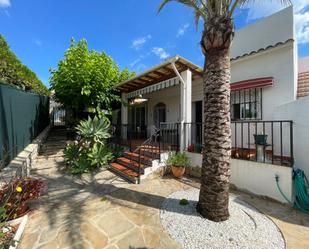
<point>298,111</point>
<point>257,178</point>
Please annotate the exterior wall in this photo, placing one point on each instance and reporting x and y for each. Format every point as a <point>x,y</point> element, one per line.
<point>171,98</point>
<point>257,178</point>
<point>269,31</point>
<point>298,112</point>
<point>277,63</point>
<point>197,90</point>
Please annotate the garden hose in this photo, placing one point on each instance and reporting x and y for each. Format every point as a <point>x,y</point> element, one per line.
<point>301,191</point>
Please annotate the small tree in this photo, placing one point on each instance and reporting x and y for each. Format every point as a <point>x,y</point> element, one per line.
<point>86,78</point>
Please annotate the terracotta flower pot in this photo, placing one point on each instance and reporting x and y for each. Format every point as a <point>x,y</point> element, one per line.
<point>178,172</point>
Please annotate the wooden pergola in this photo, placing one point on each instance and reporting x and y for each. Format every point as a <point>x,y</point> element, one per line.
<point>159,73</point>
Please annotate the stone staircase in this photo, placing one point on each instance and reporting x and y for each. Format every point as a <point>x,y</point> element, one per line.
<point>136,165</point>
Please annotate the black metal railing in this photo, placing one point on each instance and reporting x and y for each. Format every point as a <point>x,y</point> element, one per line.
<point>169,139</point>
<point>263,141</point>
<point>255,140</point>
<point>128,135</point>
<point>148,151</point>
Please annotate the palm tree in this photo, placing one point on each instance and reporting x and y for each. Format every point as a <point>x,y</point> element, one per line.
<point>216,41</point>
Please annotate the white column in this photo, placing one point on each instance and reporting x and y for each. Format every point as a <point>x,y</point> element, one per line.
<point>185,109</point>
<point>124,116</point>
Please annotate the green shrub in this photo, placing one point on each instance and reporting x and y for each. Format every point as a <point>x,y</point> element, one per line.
<point>71,152</point>
<point>183,202</point>
<point>178,160</point>
<point>117,150</point>
<point>90,151</point>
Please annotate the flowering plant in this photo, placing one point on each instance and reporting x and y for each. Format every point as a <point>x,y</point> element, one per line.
<point>15,194</point>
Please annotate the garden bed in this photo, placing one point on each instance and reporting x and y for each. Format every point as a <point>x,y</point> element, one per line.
<point>12,232</point>
<point>14,207</point>
<point>246,227</point>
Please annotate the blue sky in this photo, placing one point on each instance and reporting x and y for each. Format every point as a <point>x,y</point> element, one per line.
<point>131,31</point>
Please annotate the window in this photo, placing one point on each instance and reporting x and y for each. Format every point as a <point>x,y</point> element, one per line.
<point>246,104</point>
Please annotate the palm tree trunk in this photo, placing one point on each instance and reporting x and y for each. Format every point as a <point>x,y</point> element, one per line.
<point>214,192</point>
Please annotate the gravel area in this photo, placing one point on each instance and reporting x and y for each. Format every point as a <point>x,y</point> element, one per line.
<point>246,227</point>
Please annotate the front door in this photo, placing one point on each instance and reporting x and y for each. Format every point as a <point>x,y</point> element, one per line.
<point>137,120</point>
<point>159,114</point>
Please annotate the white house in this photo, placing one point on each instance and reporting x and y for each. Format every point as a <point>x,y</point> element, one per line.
<point>166,100</point>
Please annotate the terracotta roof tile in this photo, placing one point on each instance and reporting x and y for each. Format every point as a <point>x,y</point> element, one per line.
<point>303,85</point>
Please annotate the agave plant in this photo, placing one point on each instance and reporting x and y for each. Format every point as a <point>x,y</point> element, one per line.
<point>94,130</point>
<point>100,155</point>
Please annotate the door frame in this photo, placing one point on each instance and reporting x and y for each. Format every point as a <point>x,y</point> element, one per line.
<point>156,114</point>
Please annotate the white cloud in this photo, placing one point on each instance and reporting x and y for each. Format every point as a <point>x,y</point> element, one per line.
<point>139,42</point>
<point>260,9</point>
<point>160,52</point>
<point>182,30</point>
<point>133,63</point>
<point>38,42</point>
<point>5,3</point>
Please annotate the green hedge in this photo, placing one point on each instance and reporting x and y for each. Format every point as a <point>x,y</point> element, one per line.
<point>13,72</point>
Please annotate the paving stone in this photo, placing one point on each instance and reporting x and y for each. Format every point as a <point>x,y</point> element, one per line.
<point>68,237</point>
<point>113,223</point>
<point>133,240</point>
<point>111,247</point>
<point>29,239</point>
<point>52,245</point>
<point>96,238</point>
<point>48,234</point>
<point>152,239</point>
<point>138,216</point>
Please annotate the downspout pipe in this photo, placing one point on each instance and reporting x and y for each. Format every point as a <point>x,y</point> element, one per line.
<point>182,121</point>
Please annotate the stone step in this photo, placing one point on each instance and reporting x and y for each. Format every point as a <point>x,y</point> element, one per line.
<point>133,165</point>
<point>124,172</point>
<point>135,157</point>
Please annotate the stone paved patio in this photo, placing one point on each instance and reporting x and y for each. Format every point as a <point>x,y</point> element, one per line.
<point>100,210</point>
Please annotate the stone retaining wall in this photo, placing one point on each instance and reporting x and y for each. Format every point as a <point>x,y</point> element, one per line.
<point>21,165</point>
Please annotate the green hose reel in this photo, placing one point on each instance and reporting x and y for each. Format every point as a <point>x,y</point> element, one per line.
<point>301,191</point>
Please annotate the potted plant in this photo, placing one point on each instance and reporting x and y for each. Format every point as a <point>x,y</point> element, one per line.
<point>178,163</point>
<point>260,139</point>
<point>191,148</point>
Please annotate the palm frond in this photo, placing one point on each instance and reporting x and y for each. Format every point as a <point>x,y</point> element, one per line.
<point>238,3</point>
<point>208,8</point>
<point>199,7</point>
